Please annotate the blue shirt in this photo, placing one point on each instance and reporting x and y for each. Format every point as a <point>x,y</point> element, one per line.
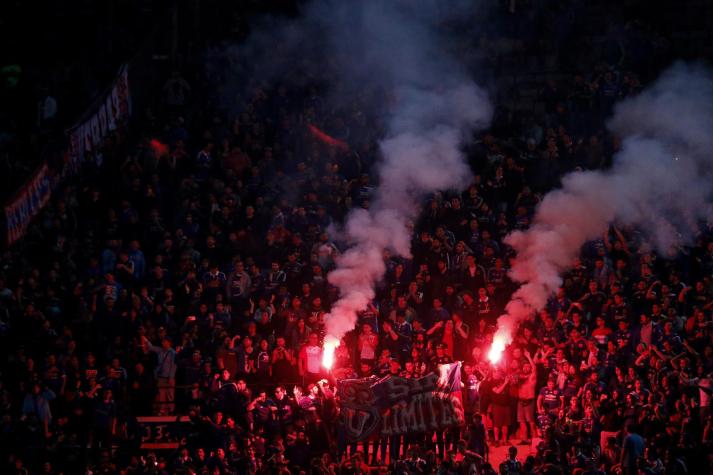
<point>633,447</point>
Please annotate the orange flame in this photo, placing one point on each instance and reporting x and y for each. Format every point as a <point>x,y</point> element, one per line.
<point>330,344</point>
<point>496,349</point>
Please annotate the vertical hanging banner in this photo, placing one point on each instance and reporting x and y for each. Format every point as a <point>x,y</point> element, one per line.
<point>395,405</point>
<point>27,203</point>
<point>112,113</point>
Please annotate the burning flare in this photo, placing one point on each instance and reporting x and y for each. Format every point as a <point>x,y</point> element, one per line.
<point>159,149</point>
<point>665,200</point>
<point>432,108</point>
<point>330,344</point>
<point>496,349</point>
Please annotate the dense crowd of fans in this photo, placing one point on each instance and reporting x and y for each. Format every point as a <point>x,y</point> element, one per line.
<point>193,281</point>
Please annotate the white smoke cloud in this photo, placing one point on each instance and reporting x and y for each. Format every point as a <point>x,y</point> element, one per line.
<point>394,46</point>
<point>660,182</point>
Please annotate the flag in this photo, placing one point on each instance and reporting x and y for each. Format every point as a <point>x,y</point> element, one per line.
<point>112,112</point>
<point>449,381</point>
<point>28,202</point>
<point>327,139</point>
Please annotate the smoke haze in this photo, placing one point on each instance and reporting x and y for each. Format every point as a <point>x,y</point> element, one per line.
<point>660,182</point>
<point>394,46</point>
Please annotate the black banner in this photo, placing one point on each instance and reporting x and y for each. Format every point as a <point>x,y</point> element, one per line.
<point>395,405</point>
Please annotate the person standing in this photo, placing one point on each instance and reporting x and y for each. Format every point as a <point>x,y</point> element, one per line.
<point>37,405</point>
<point>477,435</point>
<point>104,425</point>
<point>237,287</point>
<point>501,408</point>
<point>550,400</point>
<point>310,360</point>
<point>367,343</point>
<point>165,372</point>
<point>511,465</point>
<point>283,408</point>
<point>282,361</point>
<point>526,399</point>
<point>632,448</point>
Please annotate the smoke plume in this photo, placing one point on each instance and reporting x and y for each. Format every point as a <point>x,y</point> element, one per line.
<point>393,46</point>
<point>660,182</point>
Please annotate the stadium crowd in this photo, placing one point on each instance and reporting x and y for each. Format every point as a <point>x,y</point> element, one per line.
<point>189,277</point>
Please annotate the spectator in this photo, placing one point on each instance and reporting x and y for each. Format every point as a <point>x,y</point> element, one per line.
<point>632,449</point>
<point>310,359</point>
<point>368,342</point>
<point>220,248</point>
<point>526,400</point>
<point>165,371</point>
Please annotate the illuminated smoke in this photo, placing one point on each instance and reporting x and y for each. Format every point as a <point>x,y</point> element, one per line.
<point>330,344</point>
<point>395,49</point>
<point>660,183</point>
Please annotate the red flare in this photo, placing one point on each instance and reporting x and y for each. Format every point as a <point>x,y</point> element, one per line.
<point>327,139</point>
<point>159,149</point>
<point>496,350</point>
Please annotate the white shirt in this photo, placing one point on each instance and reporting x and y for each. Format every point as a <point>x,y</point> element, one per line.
<point>314,358</point>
